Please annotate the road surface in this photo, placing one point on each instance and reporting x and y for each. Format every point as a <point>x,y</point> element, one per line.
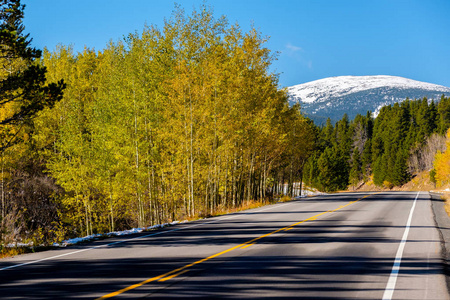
<point>341,246</point>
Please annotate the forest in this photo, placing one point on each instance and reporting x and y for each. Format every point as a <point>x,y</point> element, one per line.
<point>175,123</point>
<point>400,142</point>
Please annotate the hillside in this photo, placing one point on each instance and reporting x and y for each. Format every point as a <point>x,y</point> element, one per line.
<point>334,96</point>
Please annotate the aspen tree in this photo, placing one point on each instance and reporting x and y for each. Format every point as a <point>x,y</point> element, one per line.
<point>442,164</point>
<point>171,122</point>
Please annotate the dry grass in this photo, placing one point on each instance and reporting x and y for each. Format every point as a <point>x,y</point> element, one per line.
<point>419,182</point>
<point>14,251</point>
<point>446,198</point>
<point>447,206</point>
<point>248,205</point>
<point>244,206</point>
<point>285,199</point>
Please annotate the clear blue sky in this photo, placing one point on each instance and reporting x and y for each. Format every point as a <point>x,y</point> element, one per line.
<point>316,39</point>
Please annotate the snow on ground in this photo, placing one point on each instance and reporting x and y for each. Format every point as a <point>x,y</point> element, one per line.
<point>112,234</point>
<point>309,193</point>
<point>92,237</point>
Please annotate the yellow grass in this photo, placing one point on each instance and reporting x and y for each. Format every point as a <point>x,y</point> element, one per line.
<point>11,252</point>
<point>446,198</point>
<point>244,206</point>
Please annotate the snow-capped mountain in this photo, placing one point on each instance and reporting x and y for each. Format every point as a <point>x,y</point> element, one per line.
<point>334,96</point>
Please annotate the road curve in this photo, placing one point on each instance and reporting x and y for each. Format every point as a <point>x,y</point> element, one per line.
<point>341,246</point>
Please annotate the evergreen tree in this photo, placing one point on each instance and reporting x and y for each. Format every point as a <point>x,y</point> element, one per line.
<point>366,160</point>
<point>333,170</point>
<point>22,79</point>
<point>326,137</point>
<point>443,109</point>
<point>356,172</point>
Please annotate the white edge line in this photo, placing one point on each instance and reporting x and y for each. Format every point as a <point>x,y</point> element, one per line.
<point>137,238</point>
<point>390,287</point>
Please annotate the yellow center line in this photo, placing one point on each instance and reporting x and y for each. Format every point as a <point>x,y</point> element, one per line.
<point>172,276</point>
<point>182,270</point>
<point>246,246</point>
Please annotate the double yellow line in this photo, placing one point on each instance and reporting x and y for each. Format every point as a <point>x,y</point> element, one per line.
<point>184,269</point>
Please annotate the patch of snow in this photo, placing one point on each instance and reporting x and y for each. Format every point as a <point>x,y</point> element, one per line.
<point>112,234</point>
<point>19,244</point>
<point>307,192</point>
<point>378,109</point>
<point>92,237</point>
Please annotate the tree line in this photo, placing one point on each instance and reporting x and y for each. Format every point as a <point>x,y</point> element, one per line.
<point>401,141</point>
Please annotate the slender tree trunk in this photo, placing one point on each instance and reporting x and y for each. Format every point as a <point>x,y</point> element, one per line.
<point>301,182</point>
<point>151,192</point>
<point>192,154</point>
<point>111,204</point>
<point>250,175</point>
<point>137,170</point>
<point>233,182</point>
<point>90,216</point>
<point>3,191</point>
<point>188,169</point>
<point>163,195</point>
<point>153,197</point>
<point>225,196</point>
<point>265,176</point>
<point>86,210</point>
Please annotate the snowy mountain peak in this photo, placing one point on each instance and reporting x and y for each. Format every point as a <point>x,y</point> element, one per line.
<point>334,96</point>
<point>343,85</point>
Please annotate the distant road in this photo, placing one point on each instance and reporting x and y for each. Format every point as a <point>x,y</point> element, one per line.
<point>341,246</point>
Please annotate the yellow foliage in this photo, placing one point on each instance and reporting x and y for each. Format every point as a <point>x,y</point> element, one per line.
<point>388,184</point>
<point>285,199</point>
<point>442,164</point>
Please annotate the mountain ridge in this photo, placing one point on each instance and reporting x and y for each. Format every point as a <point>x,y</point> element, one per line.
<point>333,96</point>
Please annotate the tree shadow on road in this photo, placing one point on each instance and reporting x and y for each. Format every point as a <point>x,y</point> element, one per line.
<point>328,258</point>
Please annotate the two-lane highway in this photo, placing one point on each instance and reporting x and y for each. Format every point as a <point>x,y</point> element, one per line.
<point>340,246</point>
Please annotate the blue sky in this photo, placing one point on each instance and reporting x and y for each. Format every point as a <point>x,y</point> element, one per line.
<point>315,39</point>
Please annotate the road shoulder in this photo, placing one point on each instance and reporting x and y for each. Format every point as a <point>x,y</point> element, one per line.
<point>442,221</point>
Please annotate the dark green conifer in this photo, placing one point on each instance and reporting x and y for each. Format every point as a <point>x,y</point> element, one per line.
<point>355,175</point>
<point>25,82</point>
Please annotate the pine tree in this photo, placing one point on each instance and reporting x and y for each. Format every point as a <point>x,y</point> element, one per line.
<point>356,172</point>
<point>22,82</point>
<point>443,109</point>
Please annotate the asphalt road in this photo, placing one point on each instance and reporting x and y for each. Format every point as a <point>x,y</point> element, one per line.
<point>341,246</point>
